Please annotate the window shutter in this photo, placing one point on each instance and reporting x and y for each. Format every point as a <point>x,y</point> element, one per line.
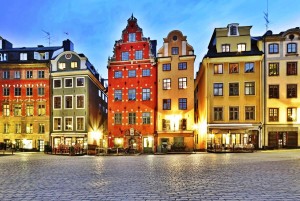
<point>37,56</point>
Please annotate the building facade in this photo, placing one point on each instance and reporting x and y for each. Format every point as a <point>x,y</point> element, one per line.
<point>282,120</point>
<point>229,92</point>
<point>175,86</point>
<point>132,93</point>
<point>79,103</point>
<point>24,97</point>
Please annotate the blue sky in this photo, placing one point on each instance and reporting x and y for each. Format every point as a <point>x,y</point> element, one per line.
<point>94,25</point>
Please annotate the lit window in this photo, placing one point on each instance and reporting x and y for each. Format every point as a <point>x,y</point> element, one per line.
<point>68,123</point>
<point>249,88</point>
<point>57,123</point>
<point>273,114</point>
<point>182,126</point>
<point>167,83</point>
<point>182,83</point>
<point>18,128</point>
<point>241,47</point>
<point>29,110</point>
<point>23,56</point>
<point>6,128</point>
<point>225,48</point>
<point>234,68</point>
<point>29,128</point>
<point>218,68</point>
<point>61,65</point>
<point>292,114</point>
<point>273,69</point>
<point>17,110</point>
<point>166,124</point>
<point>41,128</point>
<point>74,64</point>
<point>41,110</point>
<point>6,110</point>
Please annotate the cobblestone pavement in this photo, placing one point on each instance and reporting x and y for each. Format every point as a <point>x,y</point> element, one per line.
<point>263,175</point>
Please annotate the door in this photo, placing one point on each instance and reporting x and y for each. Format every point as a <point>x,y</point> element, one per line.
<point>41,145</point>
<point>147,144</point>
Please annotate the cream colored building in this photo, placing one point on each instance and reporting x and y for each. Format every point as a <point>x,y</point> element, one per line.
<point>175,81</point>
<point>282,120</point>
<point>228,96</point>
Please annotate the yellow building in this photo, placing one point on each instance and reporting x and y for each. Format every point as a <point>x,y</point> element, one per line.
<point>282,121</point>
<point>228,96</point>
<point>175,108</point>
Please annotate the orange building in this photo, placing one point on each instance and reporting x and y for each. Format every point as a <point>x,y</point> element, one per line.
<point>132,93</point>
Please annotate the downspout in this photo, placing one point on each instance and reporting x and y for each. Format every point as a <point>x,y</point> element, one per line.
<point>264,93</point>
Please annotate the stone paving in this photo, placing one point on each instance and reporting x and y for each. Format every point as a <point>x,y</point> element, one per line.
<point>263,175</point>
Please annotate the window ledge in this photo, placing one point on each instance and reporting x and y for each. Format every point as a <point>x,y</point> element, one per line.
<point>291,54</point>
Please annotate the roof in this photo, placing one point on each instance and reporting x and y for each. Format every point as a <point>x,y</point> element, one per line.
<point>31,49</point>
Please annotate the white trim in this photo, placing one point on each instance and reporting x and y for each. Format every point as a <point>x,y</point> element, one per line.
<point>83,81</point>
<point>60,123</point>
<point>60,103</point>
<point>65,102</point>
<point>67,78</point>
<point>83,123</point>
<point>60,83</point>
<point>66,124</point>
<point>83,101</point>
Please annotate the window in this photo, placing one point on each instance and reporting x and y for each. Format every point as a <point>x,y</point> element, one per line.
<point>175,50</point>
<point>182,124</point>
<point>17,75</point>
<point>225,48</point>
<point>218,68</point>
<point>68,82</point>
<point>41,74</point>
<point>233,89</point>
<point>5,91</point>
<point>167,83</point>
<point>233,68</point>
<point>5,74</point>
<point>273,114</point>
<point>6,128</point>
<point>68,123</point>
<point>68,102</point>
<point>146,117</point>
<point>79,101</point>
<point>249,88</point>
<point>139,54</point>
<point>41,110</point>
<point>41,128</point>
<point>28,91</point>
<point>29,128</point>
<point>273,69</point>
<point>61,65</point>
<point>131,94</point>
<point>57,123</point>
<point>6,110</point>
<point>118,118</point>
<point>131,118</point>
<point>80,123</point>
<point>146,72</point>
<point>292,114</point>
<point>131,37</point>
<point>166,67</point>
<point>218,113</point>
<point>166,124</point>
<point>250,113</point>
<point>166,104</point>
<point>131,73</point>
<point>23,56</point>
<point>249,67</point>
<point>273,48</point>
<point>29,110</point>
<point>41,91</point>
<point>146,94</point>
<point>291,91</point>
<point>218,89</point>
<point>182,103</point>
<point>118,95</point>
<point>18,128</point>
<point>241,47</point>
<point>57,102</point>
<point>125,56</point>
<point>233,113</point>
<point>17,91</point>
<point>182,66</point>
<point>80,82</point>
<point>74,64</point>
<point>291,48</point>
<point>118,74</point>
<point>17,110</point>
<point>233,30</point>
<point>182,83</point>
<point>3,56</point>
<point>291,68</point>
<point>273,91</point>
<point>29,74</point>
<point>57,83</point>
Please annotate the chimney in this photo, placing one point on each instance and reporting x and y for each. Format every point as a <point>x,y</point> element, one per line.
<point>68,45</point>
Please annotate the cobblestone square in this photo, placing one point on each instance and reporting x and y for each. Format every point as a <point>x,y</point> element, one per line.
<point>263,175</point>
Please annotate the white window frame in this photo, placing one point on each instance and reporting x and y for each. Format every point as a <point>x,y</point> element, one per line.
<point>60,103</point>
<point>83,81</point>
<point>68,117</point>
<point>60,123</point>
<point>65,81</point>
<point>65,99</point>
<point>83,123</point>
<point>23,56</point>
<point>60,83</point>
<point>83,101</point>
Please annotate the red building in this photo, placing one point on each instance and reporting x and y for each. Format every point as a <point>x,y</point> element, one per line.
<point>132,93</point>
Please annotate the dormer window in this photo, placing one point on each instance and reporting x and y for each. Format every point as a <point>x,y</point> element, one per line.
<point>23,56</point>
<point>291,48</point>
<point>41,55</point>
<point>225,48</point>
<point>233,29</point>
<point>3,57</point>
<point>241,47</point>
<point>131,37</point>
